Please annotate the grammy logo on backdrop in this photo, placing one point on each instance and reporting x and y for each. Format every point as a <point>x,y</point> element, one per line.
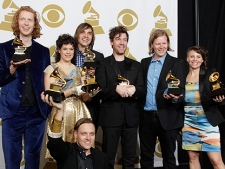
<point>93,19</point>
<point>56,88</point>
<point>217,88</point>
<point>173,84</point>
<point>19,54</point>
<point>162,22</point>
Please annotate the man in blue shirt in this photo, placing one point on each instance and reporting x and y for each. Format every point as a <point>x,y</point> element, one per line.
<point>162,115</point>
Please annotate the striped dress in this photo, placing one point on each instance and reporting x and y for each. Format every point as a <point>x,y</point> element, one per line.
<point>198,134</point>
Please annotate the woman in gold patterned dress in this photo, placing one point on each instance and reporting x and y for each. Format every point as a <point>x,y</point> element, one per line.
<point>74,107</point>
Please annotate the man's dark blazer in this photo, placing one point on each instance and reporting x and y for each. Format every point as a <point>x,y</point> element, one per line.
<point>65,154</point>
<point>13,85</point>
<point>170,114</point>
<point>210,107</point>
<point>114,108</point>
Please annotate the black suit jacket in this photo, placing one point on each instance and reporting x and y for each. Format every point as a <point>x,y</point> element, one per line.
<point>210,107</point>
<point>65,155</point>
<point>171,114</point>
<point>115,109</point>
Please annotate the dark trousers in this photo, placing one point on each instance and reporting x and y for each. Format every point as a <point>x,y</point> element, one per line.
<point>27,122</point>
<point>111,136</point>
<point>150,128</point>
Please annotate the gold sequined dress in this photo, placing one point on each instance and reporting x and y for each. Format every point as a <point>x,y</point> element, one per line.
<point>74,107</point>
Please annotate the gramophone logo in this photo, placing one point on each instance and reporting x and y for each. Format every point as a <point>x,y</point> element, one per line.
<point>127,18</point>
<point>161,23</point>
<point>93,18</point>
<point>53,16</point>
<point>6,24</point>
<point>158,151</point>
<point>128,54</point>
<point>52,53</point>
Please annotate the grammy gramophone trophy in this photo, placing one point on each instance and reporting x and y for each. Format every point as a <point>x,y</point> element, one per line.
<point>89,81</point>
<point>217,88</point>
<point>122,80</point>
<point>173,84</point>
<point>56,88</point>
<point>19,54</point>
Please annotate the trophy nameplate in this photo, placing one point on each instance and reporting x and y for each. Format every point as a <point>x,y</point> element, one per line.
<point>173,85</point>
<point>19,54</point>
<point>217,88</point>
<point>122,80</point>
<point>55,90</point>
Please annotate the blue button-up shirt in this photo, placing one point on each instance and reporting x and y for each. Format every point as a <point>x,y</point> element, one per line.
<point>154,71</point>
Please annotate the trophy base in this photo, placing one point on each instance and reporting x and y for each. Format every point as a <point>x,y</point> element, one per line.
<point>90,64</point>
<point>56,96</point>
<point>88,87</point>
<point>217,92</point>
<point>175,91</point>
<point>18,58</point>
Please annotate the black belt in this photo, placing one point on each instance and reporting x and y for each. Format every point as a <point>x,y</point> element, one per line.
<point>150,112</point>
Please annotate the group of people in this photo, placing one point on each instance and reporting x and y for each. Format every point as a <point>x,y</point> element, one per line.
<point>132,96</point>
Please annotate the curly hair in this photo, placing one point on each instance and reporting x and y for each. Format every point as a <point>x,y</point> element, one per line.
<point>154,35</point>
<point>117,30</point>
<point>63,39</point>
<point>80,29</point>
<point>15,22</point>
<point>203,52</point>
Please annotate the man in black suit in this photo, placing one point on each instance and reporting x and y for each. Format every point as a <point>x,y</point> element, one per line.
<point>85,37</point>
<point>121,81</point>
<point>163,112</point>
<point>74,155</point>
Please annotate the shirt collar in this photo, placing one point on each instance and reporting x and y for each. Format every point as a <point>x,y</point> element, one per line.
<point>161,60</point>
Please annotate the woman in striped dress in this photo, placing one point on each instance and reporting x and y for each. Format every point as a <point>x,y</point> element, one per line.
<point>200,131</point>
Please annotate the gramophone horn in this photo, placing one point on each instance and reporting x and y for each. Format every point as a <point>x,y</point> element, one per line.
<point>214,77</point>
<point>56,74</point>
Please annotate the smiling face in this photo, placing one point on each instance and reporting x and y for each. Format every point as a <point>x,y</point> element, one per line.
<point>85,136</point>
<point>85,38</point>
<point>66,52</point>
<point>26,23</point>
<point>119,44</point>
<point>194,59</point>
<point>160,46</point>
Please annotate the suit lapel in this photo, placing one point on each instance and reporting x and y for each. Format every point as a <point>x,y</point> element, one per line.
<point>166,67</point>
<point>202,75</point>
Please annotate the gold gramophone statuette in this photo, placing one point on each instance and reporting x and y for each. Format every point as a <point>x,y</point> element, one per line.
<point>89,81</point>
<point>173,84</point>
<point>217,88</point>
<point>19,54</point>
<point>56,88</point>
<point>89,58</point>
<point>122,80</point>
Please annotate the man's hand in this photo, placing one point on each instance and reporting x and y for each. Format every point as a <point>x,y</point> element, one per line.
<point>172,97</point>
<point>14,65</point>
<point>125,90</point>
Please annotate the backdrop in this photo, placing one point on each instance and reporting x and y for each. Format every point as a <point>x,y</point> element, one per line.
<point>58,17</point>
